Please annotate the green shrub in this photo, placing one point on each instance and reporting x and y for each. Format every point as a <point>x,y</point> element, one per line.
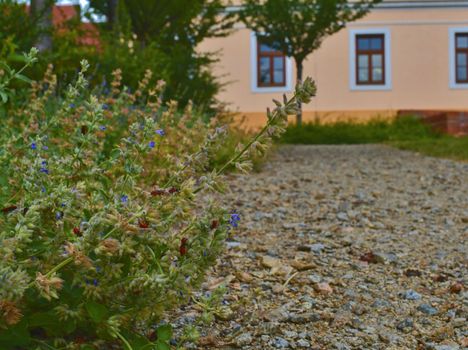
<point>104,227</point>
<point>186,72</point>
<point>374,131</point>
<point>408,133</point>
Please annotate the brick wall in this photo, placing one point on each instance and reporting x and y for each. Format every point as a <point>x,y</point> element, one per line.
<point>450,122</point>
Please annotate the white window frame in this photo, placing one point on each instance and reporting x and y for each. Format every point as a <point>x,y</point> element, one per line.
<point>452,59</point>
<point>352,60</point>
<point>254,71</point>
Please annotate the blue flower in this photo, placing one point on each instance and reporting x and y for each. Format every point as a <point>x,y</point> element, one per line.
<point>43,189</point>
<point>44,163</point>
<point>94,282</point>
<point>105,106</point>
<point>45,148</point>
<point>124,198</point>
<point>234,220</point>
<point>152,144</point>
<point>160,132</point>
<point>33,146</point>
<point>72,105</point>
<point>44,170</point>
<point>58,215</point>
<point>102,128</point>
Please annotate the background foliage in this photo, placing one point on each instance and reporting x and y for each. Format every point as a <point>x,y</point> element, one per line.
<point>161,36</point>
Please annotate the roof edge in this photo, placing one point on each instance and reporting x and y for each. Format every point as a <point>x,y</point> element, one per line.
<point>395,5</point>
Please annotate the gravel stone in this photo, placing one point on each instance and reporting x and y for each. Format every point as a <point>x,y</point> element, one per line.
<point>302,343</point>
<point>411,295</point>
<point>244,339</point>
<point>383,228</point>
<point>427,309</point>
<point>280,343</point>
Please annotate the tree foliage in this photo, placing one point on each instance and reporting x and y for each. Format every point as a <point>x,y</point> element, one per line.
<point>172,29</point>
<point>298,27</point>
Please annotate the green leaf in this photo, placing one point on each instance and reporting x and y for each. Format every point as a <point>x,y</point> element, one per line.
<point>137,341</point>
<point>51,324</point>
<point>87,347</point>
<point>17,335</point>
<point>42,319</point>
<point>23,78</point>
<point>164,332</point>
<point>162,345</point>
<point>4,97</point>
<point>96,311</point>
<point>17,58</point>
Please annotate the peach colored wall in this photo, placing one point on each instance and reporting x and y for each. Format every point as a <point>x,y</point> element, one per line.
<point>420,67</point>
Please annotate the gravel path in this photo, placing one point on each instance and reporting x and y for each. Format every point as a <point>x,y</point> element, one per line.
<point>347,247</point>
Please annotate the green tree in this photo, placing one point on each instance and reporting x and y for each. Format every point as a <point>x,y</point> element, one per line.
<point>174,28</point>
<point>298,27</point>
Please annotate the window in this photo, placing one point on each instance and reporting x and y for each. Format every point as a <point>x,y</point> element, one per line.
<point>271,70</point>
<point>458,58</point>
<point>370,59</point>
<point>271,66</point>
<point>461,58</point>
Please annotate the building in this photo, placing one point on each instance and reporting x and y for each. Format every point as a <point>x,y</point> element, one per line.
<point>404,56</point>
<point>62,15</point>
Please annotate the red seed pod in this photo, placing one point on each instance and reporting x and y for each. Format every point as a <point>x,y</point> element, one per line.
<point>80,339</point>
<point>158,193</point>
<point>77,231</point>
<point>214,224</point>
<point>9,209</point>
<point>173,190</point>
<point>152,336</point>
<point>183,246</point>
<point>142,223</point>
<point>84,129</point>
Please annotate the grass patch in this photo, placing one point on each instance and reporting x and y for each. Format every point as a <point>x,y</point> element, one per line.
<point>443,147</point>
<point>407,133</point>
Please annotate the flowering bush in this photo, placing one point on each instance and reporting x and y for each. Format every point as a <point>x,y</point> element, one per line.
<point>102,228</point>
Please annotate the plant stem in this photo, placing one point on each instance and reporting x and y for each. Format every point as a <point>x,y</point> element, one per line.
<point>55,269</point>
<point>245,149</point>
<point>127,344</point>
<point>251,142</point>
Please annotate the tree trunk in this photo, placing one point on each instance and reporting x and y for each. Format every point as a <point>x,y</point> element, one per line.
<point>41,11</point>
<point>299,70</point>
<point>112,16</point>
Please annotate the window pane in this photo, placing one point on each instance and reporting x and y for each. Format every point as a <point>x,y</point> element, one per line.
<point>363,43</point>
<point>363,61</point>
<point>462,41</point>
<point>363,75</point>
<point>377,61</point>
<point>376,44</point>
<point>461,73</point>
<point>377,74</point>
<point>265,77</point>
<point>461,59</point>
<point>278,70</point>
<point>266,48</point>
